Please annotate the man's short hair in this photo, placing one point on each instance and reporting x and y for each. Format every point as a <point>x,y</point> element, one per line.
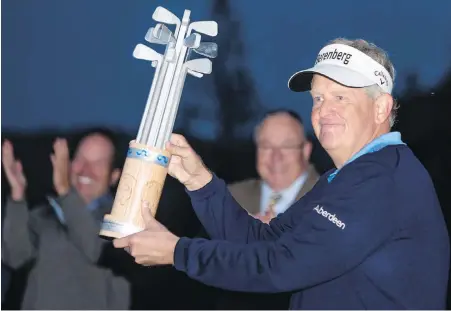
<point>290,112</point>
<point>380,56</point>
<point>108,134</point>
<point>293,114</point>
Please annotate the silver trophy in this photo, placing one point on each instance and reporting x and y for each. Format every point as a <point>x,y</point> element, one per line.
<point>145,168</point>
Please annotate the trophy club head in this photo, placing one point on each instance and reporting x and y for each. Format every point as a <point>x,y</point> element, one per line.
<point>144,52</point>
<point>160,34</point>
<point>171,68</point>
<point>209,28</point>
<point>163,15</point>
<point>207,49</point>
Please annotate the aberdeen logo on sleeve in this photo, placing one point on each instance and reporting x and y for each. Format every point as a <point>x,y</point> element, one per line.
<point>329,216</point>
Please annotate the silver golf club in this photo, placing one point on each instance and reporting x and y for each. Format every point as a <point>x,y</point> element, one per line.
<point>207,49</point>
<point>195,73</point>
<point>174,56</point>
<point>160,34</point>
<point>192,41</point>
<point>200,66</point>
<point>209,28</point>
<point>163,15</point>
<point>144,52</point>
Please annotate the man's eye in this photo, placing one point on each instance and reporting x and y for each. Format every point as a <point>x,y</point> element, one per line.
<point>317,98</point>
<point>339,97</point>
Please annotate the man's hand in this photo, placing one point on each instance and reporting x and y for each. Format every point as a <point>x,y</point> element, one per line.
<point>186,165</point>
<point>153,246</point>
<point>61,164</point>
<point>14,172</point>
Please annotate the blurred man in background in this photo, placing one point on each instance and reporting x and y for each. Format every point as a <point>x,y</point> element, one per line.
<point>283,155</point>
<point>62,236</point>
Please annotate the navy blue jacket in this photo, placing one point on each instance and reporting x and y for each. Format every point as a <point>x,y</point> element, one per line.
<point>372,238</point>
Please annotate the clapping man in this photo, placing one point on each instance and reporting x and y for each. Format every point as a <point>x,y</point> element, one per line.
<point>62,236</point>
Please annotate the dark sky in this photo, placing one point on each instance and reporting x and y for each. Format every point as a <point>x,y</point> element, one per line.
<point>68,64</point>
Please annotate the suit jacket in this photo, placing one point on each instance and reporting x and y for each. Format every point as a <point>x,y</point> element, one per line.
<point>68,261</point>
<point>247,193</point>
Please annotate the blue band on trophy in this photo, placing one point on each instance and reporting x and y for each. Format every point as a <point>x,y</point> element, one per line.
<point>147,155</point>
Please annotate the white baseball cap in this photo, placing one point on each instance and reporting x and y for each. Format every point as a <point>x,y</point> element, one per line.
<point>345,65</point>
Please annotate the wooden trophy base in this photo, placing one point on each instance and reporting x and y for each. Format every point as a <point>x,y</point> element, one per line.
<point>142,180</point>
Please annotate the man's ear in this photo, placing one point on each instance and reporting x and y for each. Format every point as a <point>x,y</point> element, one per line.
<point>383,107</point>
<point>115,175</point>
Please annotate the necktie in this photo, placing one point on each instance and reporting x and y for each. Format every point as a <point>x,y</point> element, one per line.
<point>58,210</point>
<point>275,197</point>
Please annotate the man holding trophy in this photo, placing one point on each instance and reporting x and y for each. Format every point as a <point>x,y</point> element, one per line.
<point>369,235</point>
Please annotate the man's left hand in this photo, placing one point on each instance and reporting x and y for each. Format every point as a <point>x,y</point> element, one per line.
<point>153,246</point>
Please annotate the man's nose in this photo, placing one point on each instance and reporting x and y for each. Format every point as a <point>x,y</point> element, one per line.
<point>327,108</point>
<point>83,167</point>
<point>276,154</point>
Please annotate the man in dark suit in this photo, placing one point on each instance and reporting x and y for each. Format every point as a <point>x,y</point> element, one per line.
<point>283,154</point>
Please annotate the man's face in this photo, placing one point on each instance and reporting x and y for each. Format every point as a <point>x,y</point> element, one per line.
<point>343,118</point>
<point>282,151</point>
<point>91,171</point>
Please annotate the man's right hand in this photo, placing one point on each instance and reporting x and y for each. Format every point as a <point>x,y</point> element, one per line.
<point>14,172</point>
<point>186,165</point>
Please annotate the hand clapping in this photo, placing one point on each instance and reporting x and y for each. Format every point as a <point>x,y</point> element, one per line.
<point>61,165</point>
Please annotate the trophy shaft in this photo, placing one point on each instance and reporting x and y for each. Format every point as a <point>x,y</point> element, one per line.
<point>151,118</point>
<point>148,117</point>
<point>149,111</point>
<point>163,103</point>
<point>173,108</point>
